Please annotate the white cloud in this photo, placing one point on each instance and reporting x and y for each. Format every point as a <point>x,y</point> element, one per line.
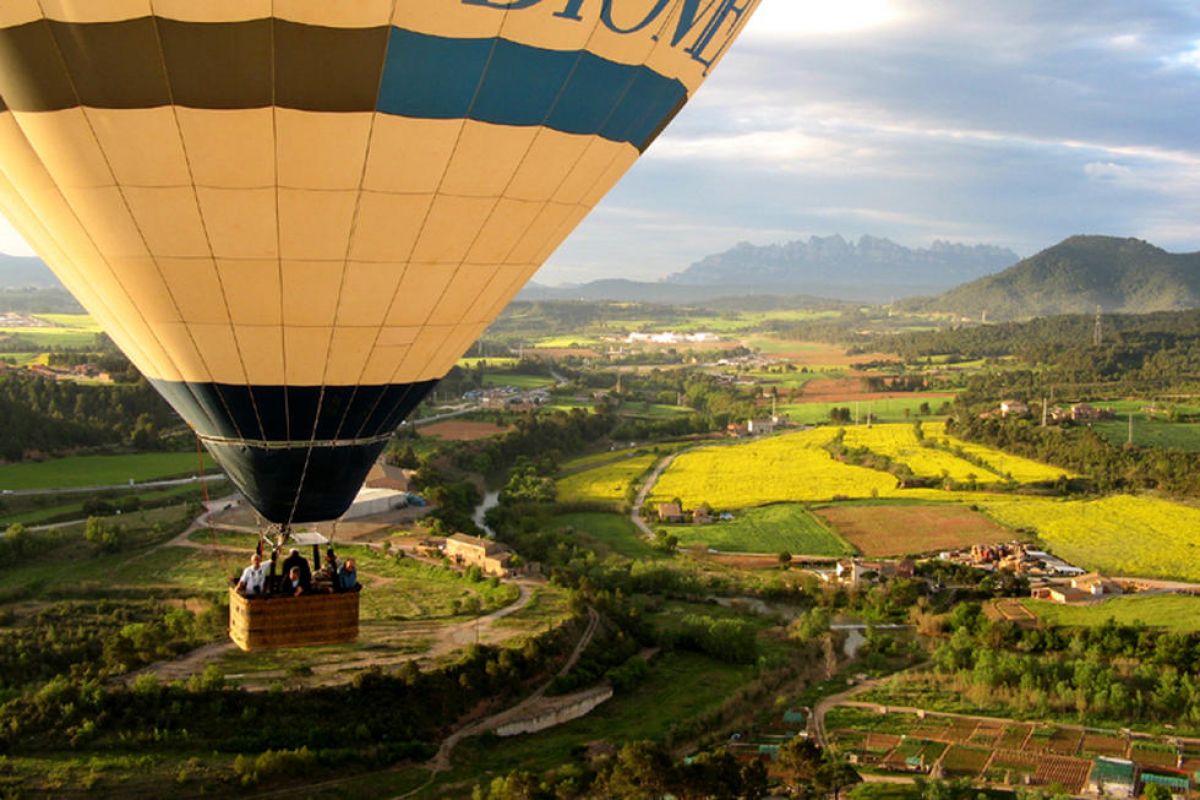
<point>11,242</point>
<point>792,19</point>
<point>1106,170</point>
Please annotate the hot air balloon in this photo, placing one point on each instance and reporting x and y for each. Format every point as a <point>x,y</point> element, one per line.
<point>294,216</point>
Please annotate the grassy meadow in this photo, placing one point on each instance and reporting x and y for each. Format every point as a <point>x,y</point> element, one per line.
<point>82,471</point>
<point>769,529</point>
<point>1175,612</point>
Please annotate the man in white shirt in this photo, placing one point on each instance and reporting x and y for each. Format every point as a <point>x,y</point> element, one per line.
<point>253,582</point>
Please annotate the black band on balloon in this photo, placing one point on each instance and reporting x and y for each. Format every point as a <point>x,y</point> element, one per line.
<point>150,62</point>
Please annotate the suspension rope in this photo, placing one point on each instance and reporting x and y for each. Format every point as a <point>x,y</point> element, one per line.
<point>216,549</point>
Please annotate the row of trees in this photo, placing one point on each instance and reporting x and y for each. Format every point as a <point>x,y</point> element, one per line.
<point>51,416</point>
<point>1082,450</point>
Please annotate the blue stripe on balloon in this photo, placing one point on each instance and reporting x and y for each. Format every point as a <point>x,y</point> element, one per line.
<point>506,83</point>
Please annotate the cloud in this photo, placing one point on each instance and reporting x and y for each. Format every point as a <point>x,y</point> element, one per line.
<point>1106,170</point>
<point>11,242</point>
<point>1018,123</point>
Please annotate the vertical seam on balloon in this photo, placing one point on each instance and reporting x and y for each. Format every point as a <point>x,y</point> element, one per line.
<point>203,223</point>
<point>417,239</point>
<point>579,56</point>
<point>433,357</point>
<point>287,409</point>
<point>592,141</point>
<point>36,218</point>
<point>538,130</point>
<point>153,259</point>
<point>362,179</point>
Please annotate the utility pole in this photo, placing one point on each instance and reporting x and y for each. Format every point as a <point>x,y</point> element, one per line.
<point>1045,411</point>
<point>855,412</point>
<point>1130,439</point>
<point>1098,331</point>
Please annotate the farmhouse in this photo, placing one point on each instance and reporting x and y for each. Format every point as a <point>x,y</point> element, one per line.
<point>1096,585</point>
<point>385,476</point>
<point>1082,412</point>
<point>702,514</point>
<point>760,427</point>
<point>1013,408</point>
<point>491,557</point>
<point>670,512</point>
<point>1065,595</point>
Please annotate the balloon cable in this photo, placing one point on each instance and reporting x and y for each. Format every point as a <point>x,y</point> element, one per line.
<point>204,493</point>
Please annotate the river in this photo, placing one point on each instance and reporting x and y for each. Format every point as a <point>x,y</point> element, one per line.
<point>490,501</point>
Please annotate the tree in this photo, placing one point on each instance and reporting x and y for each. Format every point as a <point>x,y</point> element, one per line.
<point>102,534</point>
<point>1154,791</point>
<point>785,559</point>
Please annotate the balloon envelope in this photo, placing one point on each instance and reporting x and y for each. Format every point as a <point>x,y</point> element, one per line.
<point>295,215</point>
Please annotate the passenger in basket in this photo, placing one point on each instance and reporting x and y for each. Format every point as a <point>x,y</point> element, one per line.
<point>347,577</point>
<point>254,578</point>
<point>294,584</point>
<point>298,561</point>
<point>325,579</point>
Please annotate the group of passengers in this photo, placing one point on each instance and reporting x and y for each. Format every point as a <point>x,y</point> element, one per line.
<point>296,578</point>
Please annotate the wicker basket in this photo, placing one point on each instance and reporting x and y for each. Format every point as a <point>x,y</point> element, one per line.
<point>266,623</point>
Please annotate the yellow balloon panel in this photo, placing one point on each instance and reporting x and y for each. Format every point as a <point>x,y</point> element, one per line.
<point>295,215</point>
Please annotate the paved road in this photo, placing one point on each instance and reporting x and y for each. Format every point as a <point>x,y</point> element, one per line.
<point>635,515</point>
<point>458,412</point>
<point>115,487</point>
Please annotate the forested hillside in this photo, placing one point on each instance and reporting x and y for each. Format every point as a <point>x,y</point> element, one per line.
<point>1077,275</point>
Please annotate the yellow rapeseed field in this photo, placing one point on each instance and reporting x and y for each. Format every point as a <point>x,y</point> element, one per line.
<point>792,467</point>
<point>898,442</point>
<point>604,484</point>
<point>1022,470</point>
<point>1117,535</point>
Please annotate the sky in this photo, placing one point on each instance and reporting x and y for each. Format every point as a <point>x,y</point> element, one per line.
<point>1014,123</point>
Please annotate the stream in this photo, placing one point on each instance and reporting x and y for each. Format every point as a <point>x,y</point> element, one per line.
<point>490,501</point>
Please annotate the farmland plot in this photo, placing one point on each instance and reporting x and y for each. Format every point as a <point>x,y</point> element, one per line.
<point>896,530</point>
<point>793,467</point>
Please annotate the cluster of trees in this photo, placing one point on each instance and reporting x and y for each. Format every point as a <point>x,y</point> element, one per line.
<point>1082,450</point>
<point>96,639</point>
<point>731,640</point>
<point>638,770</point>
<point>1111,672</point>
<point>536,437</point>
<point>49,416</point>
<point>352,722</point>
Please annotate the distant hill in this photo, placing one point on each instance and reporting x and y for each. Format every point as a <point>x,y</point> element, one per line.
<point>869,269</point>
<point>22,273</point>
<point>1073,277</point>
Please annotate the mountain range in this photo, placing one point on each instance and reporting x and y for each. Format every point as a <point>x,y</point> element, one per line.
<point>869,270</point>
<point>1076,276</point>
<point>19,272</point>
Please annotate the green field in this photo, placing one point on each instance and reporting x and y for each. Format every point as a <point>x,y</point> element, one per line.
<point>491,361</point>
<point>518,380</point>
<point>654,410</point>
<point>605,484</point>
<point>609,533</point>
<point>769,529</point>
<point>80,471</point>
<point>76,330</point>
<point>70,506</point>
<point>1168,435</point>
<point>890,410</point>
<point>1178,613</point>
